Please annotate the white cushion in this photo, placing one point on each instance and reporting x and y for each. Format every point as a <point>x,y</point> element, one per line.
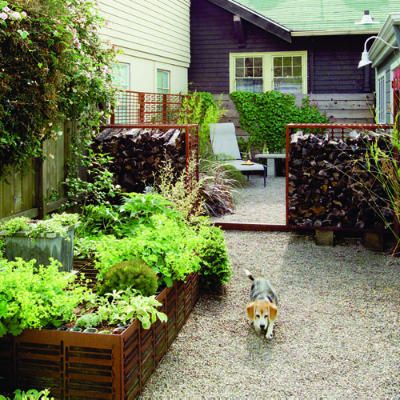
<point>224,141</point>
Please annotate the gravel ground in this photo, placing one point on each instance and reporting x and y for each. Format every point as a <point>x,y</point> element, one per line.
<point>256,203</point>
<point>337,336</point>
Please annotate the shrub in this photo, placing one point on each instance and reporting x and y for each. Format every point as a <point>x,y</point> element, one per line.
<point>215,268</point>
<point>134,274</point>
<point>33,297</point>
<point>265,115</point>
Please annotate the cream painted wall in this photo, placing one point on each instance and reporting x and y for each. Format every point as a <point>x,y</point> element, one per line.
<point>151,34</point>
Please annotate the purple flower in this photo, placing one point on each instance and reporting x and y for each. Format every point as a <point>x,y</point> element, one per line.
<point>6,9</point>
<point>3,16</point>
<point>15,15</point>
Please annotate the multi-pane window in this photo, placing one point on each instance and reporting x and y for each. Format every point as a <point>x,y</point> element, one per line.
<point>249,74</point>
<point>288,74</point>
<point>163,81</point>
<point>381,100</point>
<point>121,76</point>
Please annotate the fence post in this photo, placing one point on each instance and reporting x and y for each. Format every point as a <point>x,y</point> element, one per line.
<point>40,187</point>
<point>164,108</point>
<point>141,107</point>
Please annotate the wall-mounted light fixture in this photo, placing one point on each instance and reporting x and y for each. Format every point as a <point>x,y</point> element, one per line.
<point>365,56</point>
<point>366,19</point>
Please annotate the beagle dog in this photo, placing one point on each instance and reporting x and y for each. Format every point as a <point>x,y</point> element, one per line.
<point>263,309</point>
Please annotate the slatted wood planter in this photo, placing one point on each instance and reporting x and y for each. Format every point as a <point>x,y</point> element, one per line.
<point>79,366</point>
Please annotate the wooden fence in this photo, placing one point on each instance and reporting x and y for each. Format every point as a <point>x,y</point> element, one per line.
<point>37,189</point>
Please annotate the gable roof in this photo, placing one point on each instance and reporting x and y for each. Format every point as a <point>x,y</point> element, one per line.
<point>256,18</point>
<point>320,17</point>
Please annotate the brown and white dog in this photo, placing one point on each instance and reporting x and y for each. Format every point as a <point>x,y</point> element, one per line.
<point>263,309</point>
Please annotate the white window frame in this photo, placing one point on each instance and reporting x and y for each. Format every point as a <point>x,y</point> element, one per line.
<point>169,80</point>
<point>267,66</point>
<point>381,98</point>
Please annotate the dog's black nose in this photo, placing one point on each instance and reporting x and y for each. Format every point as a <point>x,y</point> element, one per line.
<point>262,326</point>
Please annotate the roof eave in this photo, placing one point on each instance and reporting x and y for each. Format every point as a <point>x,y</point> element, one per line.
<point>255,18</point>
<point>379,51</point>
<point>333,33</point>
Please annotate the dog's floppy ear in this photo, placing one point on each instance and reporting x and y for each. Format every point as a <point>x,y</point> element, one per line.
<point>273,311</point>
<point>250,311</point>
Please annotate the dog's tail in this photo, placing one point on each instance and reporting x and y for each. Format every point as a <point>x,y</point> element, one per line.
<point>249,275</point>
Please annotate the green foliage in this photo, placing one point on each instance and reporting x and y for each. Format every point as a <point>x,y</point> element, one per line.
<point>58,224</point>
<point>183,191</point>
<point>166,245</point>
<point>53,66</point>
<point>31,394</point>
<point>135,274</point>
<point>265,115</point>
<point>36,297</point>
<point>235,177</point>
<point>91,320</point>
<point>215,267</point>
<point>98,188</point>
<point>123,306</point>
<point>202,109</point>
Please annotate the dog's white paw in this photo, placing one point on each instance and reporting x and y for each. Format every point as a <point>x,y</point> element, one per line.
<point>269,335</point>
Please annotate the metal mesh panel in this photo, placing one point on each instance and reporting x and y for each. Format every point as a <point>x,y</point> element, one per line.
<point>151,108</point>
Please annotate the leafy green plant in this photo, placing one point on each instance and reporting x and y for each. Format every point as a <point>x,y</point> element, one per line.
<point>166,245</point>
<point>36,297</point>
<point>124,306</point>
<point>54,66</point>
<point>134,274</point>
<point>58,224</point>
<point>215,267</point>
<point>31,394</point>
<point>98,187</point>
<point>265,115</point>
<point>91,320</point>
<point>202,109</point>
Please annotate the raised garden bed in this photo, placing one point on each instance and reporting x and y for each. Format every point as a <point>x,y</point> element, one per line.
<point>76,365</point>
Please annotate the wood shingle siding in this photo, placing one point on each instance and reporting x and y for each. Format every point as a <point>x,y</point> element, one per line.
<point>157,30</point>
<point>332,60</point>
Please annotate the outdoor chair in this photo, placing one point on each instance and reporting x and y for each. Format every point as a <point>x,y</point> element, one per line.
<point>224,144</point>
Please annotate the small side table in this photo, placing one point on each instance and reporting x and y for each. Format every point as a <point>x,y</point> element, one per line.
<point>270,157</point>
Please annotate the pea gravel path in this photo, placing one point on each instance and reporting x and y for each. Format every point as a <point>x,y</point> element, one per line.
<point>337,336</point>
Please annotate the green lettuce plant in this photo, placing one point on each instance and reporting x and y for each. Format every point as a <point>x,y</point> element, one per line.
<point>31,394</point>
<point>36,297</point>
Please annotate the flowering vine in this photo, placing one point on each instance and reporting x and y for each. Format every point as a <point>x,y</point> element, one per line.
<point>53,67</point>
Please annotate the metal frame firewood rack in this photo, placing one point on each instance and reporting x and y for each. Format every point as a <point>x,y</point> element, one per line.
<point>191,132</point>
<point>338,131</point>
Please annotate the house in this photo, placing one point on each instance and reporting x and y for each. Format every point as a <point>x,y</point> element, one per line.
<point>154,39</point>
<point>301,47</point>
<point>386,61</point>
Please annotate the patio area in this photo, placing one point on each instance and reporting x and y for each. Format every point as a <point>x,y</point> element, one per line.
<point>258,204</point>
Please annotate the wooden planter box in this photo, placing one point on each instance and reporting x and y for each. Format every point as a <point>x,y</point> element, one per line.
<point>87,366</point>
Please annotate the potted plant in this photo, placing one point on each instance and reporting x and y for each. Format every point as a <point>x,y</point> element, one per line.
<point>40,240</point>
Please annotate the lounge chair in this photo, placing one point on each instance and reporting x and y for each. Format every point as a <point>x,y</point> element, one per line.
<point>224,143</point>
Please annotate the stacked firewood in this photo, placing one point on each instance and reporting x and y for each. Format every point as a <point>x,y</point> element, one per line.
<point>139,154</point>
<point>330,186</point>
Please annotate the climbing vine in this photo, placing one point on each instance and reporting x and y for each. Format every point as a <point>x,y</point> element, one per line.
<point>53,67</point>
<point>265,115</point>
